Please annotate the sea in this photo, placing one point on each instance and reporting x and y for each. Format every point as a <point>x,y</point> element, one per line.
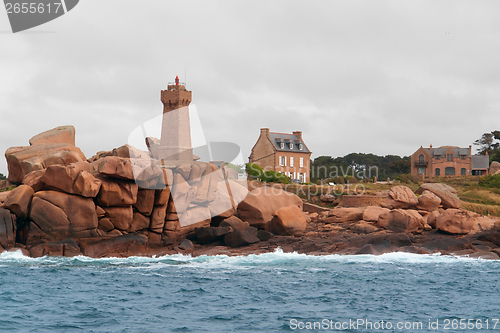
<point>273,292</point>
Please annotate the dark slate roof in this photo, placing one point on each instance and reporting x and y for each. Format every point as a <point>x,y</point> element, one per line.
<point>277,138</point>
<point>441,151</point>
<point>480,162</point>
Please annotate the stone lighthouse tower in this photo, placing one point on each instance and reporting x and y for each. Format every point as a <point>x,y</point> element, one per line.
<point>175,142</point>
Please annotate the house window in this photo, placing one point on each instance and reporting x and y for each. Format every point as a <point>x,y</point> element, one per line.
<point>301,177</point>
<point>301,146</point>
<point>290,175</point>
<point>282,161</point>
<point>438,157</point>
<point>421,171</point>
<point>462,171</point>
<point>421,159</point>
<point>290,145</point>
<point>291,161</point>
<point>449,157</point>
<point>462,157</point>
<point>301,162</point>
<point>282,145</point>
<point>437,172</point>
<point>449,171</point>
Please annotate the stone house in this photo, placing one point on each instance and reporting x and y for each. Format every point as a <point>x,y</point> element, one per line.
<point>282,152</point>
<point>448,161</point>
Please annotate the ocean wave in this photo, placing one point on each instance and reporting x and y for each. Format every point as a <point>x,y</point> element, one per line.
<point>272,259</point>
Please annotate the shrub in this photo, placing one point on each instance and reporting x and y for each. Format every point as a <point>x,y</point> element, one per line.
<point>338,180</point>
<point>351,180</point>
<point>2,177</point>
<point>254,170</point>
<point>490,181</point>
<point>274,177</point>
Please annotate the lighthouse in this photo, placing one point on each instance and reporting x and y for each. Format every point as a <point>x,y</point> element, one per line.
<point>175,142</point>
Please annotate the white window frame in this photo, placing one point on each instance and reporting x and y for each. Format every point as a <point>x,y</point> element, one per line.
<point>282,160</point>
<point>290,145</point>
<point>301,162</point>
<point>291,161</point>
<point>301,146</point>
<point>282,145</point>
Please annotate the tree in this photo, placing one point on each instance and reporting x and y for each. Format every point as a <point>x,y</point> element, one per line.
<point>2,177</point>
<point>399,167</point>
<point>485,143</point>
<point>489,143</point>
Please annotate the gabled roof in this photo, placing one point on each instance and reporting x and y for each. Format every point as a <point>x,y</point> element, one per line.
<point>441,151</point>
<point>480,162</point>
<point>286,138</point>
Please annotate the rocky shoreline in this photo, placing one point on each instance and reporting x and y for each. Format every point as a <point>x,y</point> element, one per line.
<point>124,203</point>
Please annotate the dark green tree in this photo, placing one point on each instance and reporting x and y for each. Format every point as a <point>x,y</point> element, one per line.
<point>2,177</point>
<point>489,143</point>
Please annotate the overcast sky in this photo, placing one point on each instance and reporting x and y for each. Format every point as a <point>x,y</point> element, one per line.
<point>382,77</point>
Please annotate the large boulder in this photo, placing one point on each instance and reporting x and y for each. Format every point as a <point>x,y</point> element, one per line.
<point>7,229</point>
<point>228,197</point>
<point>61,215</point>
<point>287,221</point>
<point>33,179</point>
<point>158,219</point>
<point>234,223</point>
<point>146,201</point>
<point>447,194</point>
<point>66,248</point>
<point>23,160</point>
<point>400,220</point>
<point>259,205</point>
<point>61,134</point>
<point>345,214</point>
<point>371,213</point>
<point>120,246</point>
<point>206,235</point>
<point>428,201</point>
<point>400,197</point>
<point>196,215</point>
<point>494,168</point>
<point>120,217</point>
<point>116,167</point>
<point>19,200</point>
<point>457,221</point>
<point>115,192</point>
<point>363,227</point>
<point>182,193</point>
<point>139,222</point>
<point>239,238</point>
<point>3,196</point>
<point>432,218</point>
<point>72,179</point>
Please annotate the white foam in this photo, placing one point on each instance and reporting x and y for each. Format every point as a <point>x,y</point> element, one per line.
<point>276,258</point>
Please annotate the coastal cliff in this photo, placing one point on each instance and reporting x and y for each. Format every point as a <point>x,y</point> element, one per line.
<point>124,203</point>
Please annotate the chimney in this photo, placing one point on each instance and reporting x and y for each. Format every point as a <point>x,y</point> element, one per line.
<point>431,146</point>
<point>299,134</point>
<point>264,131</point>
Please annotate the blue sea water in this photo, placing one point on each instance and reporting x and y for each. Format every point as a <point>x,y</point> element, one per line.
<point>271,292</point>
